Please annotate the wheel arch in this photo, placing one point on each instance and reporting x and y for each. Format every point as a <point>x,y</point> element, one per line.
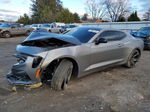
<point>6,31</point>
<point>75,70</point>
<point>138,50</point>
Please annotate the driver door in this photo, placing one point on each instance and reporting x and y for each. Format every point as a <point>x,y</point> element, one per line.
<point>107,53</point>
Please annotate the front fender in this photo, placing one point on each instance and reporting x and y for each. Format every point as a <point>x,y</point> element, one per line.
<point>60,53</point>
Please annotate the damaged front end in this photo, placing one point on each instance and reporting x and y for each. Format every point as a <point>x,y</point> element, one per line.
<point>21,74</point>
<point>31,54</point>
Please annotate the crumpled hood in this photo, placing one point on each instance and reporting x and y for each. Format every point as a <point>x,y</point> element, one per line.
<point>40,34</point>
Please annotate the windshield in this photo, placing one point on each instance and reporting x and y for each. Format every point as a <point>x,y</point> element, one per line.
<point>34,25</point>
<point>83,34</point>
<point>5,25</point>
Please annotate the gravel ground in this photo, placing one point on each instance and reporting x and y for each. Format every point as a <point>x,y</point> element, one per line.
<point>114,90</point>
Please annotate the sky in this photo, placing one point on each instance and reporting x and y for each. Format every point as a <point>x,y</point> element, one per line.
<point>10,10</point>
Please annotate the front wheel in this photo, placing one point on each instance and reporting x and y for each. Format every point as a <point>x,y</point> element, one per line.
<point>62,75</point>
<point>133,59</point>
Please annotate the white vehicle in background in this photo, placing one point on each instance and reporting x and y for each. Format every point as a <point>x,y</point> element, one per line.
<point>57,27</point>
<point>28,26</point>
<point>46,27</point>
<point>35,26</point>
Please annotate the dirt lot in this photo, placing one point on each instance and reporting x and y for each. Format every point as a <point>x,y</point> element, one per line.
<point>114,90</point>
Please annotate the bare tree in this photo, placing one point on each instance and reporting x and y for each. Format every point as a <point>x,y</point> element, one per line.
<point>116,8</point>
<point>95,8</point>
<point>146,16</point>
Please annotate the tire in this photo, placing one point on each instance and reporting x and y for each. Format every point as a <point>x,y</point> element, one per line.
<point>133,59</point>
<point>6,35</point>
<point>62,75</point>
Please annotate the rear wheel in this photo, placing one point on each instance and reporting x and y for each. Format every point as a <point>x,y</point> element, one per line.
<point>62,75</point>
<point>6,35</point>
<point>133,59</point>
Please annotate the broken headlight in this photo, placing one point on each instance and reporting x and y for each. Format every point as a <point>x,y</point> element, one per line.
<point>36,61</point>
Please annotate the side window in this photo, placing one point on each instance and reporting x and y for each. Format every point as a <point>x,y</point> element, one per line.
<point>16,25</point>
<point>13,26</point>
<point>112,35</point>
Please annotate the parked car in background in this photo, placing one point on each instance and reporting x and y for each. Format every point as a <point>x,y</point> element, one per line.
<point>57,27</point>
<point>9,29</point>
<point>35,26</point>
<point>46,57</point>
<point>143,33</point>
<point>57,24</point>
<point>70,26</point>
<point>28,26</point>
<point>46,27</point>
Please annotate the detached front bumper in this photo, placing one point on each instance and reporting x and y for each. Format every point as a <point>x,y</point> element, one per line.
<point>22,74</point>
<point>19,80</point>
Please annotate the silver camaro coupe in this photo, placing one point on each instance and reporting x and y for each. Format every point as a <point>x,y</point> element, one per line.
<point>50,58</point>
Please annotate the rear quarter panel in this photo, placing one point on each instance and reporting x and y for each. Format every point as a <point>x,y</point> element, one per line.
<point>131,44</point>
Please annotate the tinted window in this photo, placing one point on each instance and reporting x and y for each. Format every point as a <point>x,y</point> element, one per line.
<point>15,25</point>
<point>18,25</point>
<point>112,35</point>
<point>83,34</point>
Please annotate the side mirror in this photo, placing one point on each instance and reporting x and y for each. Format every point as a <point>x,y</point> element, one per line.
<point>100,40</point>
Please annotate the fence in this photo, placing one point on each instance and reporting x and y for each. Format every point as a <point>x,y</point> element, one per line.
<point>119,25</point>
